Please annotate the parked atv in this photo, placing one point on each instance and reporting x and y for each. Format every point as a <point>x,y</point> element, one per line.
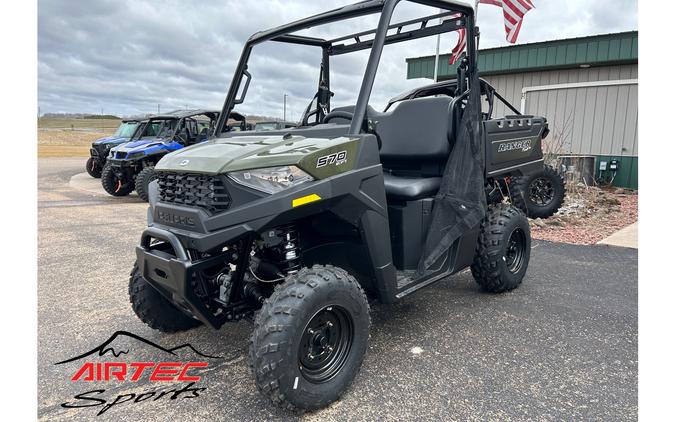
<point>101,147</point>
<point>299,229</point>
<point>131,165</point>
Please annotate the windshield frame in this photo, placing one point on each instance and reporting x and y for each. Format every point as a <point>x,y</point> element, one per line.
<point>123,126</point>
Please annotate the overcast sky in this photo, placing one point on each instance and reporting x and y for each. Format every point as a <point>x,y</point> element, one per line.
<point>125,57</point>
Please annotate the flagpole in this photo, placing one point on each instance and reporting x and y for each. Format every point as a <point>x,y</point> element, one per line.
<point>475,22</point>
<point>438,48</point>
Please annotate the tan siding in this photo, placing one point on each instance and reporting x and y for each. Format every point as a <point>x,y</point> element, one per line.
<point>601,120</point>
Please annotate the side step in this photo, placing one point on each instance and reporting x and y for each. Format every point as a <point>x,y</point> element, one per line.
<point>407,284</point>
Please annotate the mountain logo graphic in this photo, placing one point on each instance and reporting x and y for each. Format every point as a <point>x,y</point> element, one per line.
<point>168,366</point>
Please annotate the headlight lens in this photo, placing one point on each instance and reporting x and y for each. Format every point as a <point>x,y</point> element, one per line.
<point>271,179</point>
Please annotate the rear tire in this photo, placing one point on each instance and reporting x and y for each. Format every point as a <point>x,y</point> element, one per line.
<point>155,310</point>
<point>143,179</point>
<point>538,195</point>
<point>93,168</point>
<point>503,249</point>
<point>114,185</point>
<point>310,338</point>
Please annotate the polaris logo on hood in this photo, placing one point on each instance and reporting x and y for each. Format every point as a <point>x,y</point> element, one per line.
<point>184,163</point>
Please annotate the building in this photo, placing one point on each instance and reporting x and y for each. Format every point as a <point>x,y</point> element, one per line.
<point>587,88</point>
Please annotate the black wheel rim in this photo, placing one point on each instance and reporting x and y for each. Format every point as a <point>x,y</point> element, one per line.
<point>325,344</point>
<point>541,191</point>
<point>515,251</point>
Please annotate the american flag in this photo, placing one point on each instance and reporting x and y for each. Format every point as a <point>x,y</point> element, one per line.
<point>461,42</point>
<point>514,11</point>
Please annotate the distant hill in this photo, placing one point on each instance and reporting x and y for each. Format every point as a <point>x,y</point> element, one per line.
<point>79,116</point>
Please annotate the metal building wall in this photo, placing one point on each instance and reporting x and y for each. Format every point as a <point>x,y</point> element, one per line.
<point>600,121</point>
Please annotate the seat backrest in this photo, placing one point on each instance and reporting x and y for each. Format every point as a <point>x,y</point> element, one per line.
<point>415,132</point>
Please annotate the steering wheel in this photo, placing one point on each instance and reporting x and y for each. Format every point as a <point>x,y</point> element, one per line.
<point>338,114</point>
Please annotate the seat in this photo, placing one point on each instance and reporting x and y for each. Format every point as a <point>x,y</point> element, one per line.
<point>410,188</point>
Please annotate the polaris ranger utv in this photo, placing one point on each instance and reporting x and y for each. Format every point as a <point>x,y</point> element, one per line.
<point>101,147</point>
<point>131,165</point>
<point>538,194</point>
<point>300,229</point>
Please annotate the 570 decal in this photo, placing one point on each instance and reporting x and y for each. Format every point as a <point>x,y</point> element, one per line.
<point>336,158</point>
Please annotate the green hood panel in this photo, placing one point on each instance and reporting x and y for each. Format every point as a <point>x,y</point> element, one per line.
<point>224,155</point>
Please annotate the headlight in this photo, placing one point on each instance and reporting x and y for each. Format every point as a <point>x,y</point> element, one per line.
<point>271,179</point>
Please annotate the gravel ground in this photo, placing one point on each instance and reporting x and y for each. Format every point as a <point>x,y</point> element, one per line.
<point>588,215</point>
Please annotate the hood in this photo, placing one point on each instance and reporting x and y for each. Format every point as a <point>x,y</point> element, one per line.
<point>139,145</point>
<point>223,155</point>
<point>109,140</point>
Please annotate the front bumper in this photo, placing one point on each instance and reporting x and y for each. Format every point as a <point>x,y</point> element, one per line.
<point>169,270</point>
<point>115,162</point>
<point>98,154</point>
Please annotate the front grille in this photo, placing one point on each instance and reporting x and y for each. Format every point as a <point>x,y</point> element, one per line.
<point>194,190</point>
<point>101,150</point>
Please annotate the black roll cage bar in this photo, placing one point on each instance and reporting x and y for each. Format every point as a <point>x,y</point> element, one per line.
<point>428,26</point>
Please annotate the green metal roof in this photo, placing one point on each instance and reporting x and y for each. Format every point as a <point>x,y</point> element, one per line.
<point>595,50</point>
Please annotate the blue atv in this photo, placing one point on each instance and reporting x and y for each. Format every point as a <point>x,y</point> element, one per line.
<point>131,165</point>
<point>101,147</point>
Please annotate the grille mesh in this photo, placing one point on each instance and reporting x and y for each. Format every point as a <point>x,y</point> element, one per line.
<point>195,190</point>
<point>102,150</point>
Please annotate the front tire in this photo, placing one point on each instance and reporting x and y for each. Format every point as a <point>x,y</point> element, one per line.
<point>93,168</point>
<point>503,249</point>
<point>310,338</point>
<point>143,179</point>
<point>155,310</point>
<point>538,195</point>
<point>114,185</point>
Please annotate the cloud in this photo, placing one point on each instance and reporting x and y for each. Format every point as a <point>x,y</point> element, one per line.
<point>126,57</point>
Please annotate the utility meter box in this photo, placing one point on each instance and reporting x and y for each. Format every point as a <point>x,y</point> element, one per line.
<point>614,165</point>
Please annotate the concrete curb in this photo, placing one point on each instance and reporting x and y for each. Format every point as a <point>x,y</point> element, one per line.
<point>84,182</point>
<point>626,237</point>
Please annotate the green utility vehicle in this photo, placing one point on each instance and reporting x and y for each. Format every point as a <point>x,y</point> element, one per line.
<point>301,229</point>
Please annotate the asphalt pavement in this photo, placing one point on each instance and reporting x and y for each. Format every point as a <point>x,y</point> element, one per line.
<point>564,346</point>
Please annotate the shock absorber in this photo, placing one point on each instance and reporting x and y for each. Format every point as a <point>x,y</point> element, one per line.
<point>289,249</point>
<point>277,256</point>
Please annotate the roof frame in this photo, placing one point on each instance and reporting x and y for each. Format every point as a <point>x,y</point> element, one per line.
<point>385,8</point>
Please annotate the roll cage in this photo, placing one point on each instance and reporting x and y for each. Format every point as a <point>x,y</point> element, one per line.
<point>170,124</point>
<point>449,88</point>
<point>458,15</point>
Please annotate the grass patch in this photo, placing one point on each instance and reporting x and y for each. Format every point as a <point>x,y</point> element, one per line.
<point>103,125</point>
<point>66,143</point>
